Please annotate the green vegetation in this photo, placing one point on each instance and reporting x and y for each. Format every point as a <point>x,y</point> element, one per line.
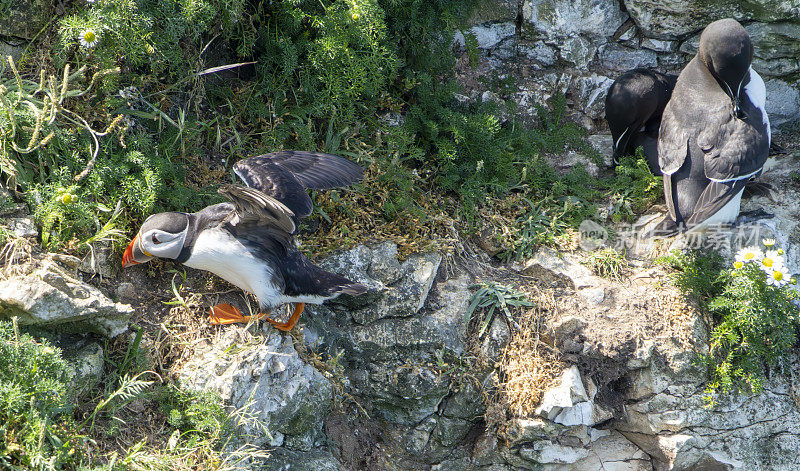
<point>755,318</point>
<point>42,428</point>
<point>35,422</point>
<point>608,263</point>
<point>148,112</point>
<point>490,298</point>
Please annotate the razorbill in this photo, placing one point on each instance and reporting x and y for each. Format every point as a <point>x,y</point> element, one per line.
<point>634,104</point>
<point>714,133</point>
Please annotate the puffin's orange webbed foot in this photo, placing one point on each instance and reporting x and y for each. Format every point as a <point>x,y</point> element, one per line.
<point>288,325</point>
<point>223,314</point>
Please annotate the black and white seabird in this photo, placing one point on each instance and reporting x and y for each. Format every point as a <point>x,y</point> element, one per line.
<point>715,133</point>
<point>634,105</point>
<point>249,241</point>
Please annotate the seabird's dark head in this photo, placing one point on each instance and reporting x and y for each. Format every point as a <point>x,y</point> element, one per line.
<point>162,235</point>
<point>726,50</point>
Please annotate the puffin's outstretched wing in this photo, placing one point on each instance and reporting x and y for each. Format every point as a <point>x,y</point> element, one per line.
<point>285,175</point>
<point>255,207</point>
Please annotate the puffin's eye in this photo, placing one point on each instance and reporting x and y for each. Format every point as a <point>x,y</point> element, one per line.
<point>155,239</point>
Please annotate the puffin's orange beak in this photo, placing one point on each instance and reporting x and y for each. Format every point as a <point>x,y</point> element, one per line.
<point>127,258</point>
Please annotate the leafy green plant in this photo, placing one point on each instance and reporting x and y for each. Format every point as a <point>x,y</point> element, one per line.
<point>634,189</point>
<point>754,312</point>
<point>757,325</point>
<point>35,402</point>
<point>701,275</point>
<point>490,298</point>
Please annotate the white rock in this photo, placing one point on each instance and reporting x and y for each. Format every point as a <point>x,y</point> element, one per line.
<point>596,18</point>
<point>46,295</point>
<point>593,90</point>
<point>548,259</point>
<point>567,393</point>
<point>491,35</point>
<point>23,227</point>
<point>593,295</point>
<point>783,102</point>
<point>266,380</point>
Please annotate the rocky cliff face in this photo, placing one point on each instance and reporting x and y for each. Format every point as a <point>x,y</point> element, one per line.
<point>395,380</point>
<point>580,47</point>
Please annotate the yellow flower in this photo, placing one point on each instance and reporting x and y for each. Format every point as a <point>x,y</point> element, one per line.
<point>737,264</point>
<point>768,242</point>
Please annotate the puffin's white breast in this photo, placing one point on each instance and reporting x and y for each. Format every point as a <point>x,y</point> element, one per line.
<point>217,251</point>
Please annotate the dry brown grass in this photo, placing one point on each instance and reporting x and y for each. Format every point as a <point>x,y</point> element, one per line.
<point>356,217</point>
<point>679,317</point>
<point>527,368</point>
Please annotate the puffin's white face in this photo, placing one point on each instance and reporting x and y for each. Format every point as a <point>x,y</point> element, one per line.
<point>162,244</point>
<point>162,235</point>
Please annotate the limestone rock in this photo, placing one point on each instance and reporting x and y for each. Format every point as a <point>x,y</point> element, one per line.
<point>23,227</point>
<point>44,294</point>
<point>593,90</point>
<point>675,19</point>
<point>595,18</point>
<point>262,375</point>
<point>84,357</point>
<point>282,459</point>
<point>783,102</point>
<point>494,11</point>
<point>570,404</point>
<point>602,144</point>
<point>389,349</point>
<point>567,266</point>
<point>24,18</point>
<point>397,290</point>
<point>618,59</point>
<point>492,34</point>
<point>11,48</point>
<point>7,203</point>
<point>540,52</point>
<point>578,51</point>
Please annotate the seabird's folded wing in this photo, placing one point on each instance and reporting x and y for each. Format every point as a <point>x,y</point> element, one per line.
<point>734,150</point>
<point>673,142</point>
<point>713,199</point>
<point>255,207</point>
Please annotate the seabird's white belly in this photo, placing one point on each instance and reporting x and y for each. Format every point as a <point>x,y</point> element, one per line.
<point>726,215</point>
<point>217,251</point>
<point>757,92</point>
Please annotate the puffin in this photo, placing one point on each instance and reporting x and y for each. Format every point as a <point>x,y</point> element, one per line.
<point>715,133</point>
<point>634,105</point>
<point>249,240</point>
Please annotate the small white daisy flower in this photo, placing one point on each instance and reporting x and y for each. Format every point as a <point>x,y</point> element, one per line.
<point>771,259</point>
<point>768,242</point>
<point>779,276</point>
<point>89,39</point>
<point>749,254</point>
